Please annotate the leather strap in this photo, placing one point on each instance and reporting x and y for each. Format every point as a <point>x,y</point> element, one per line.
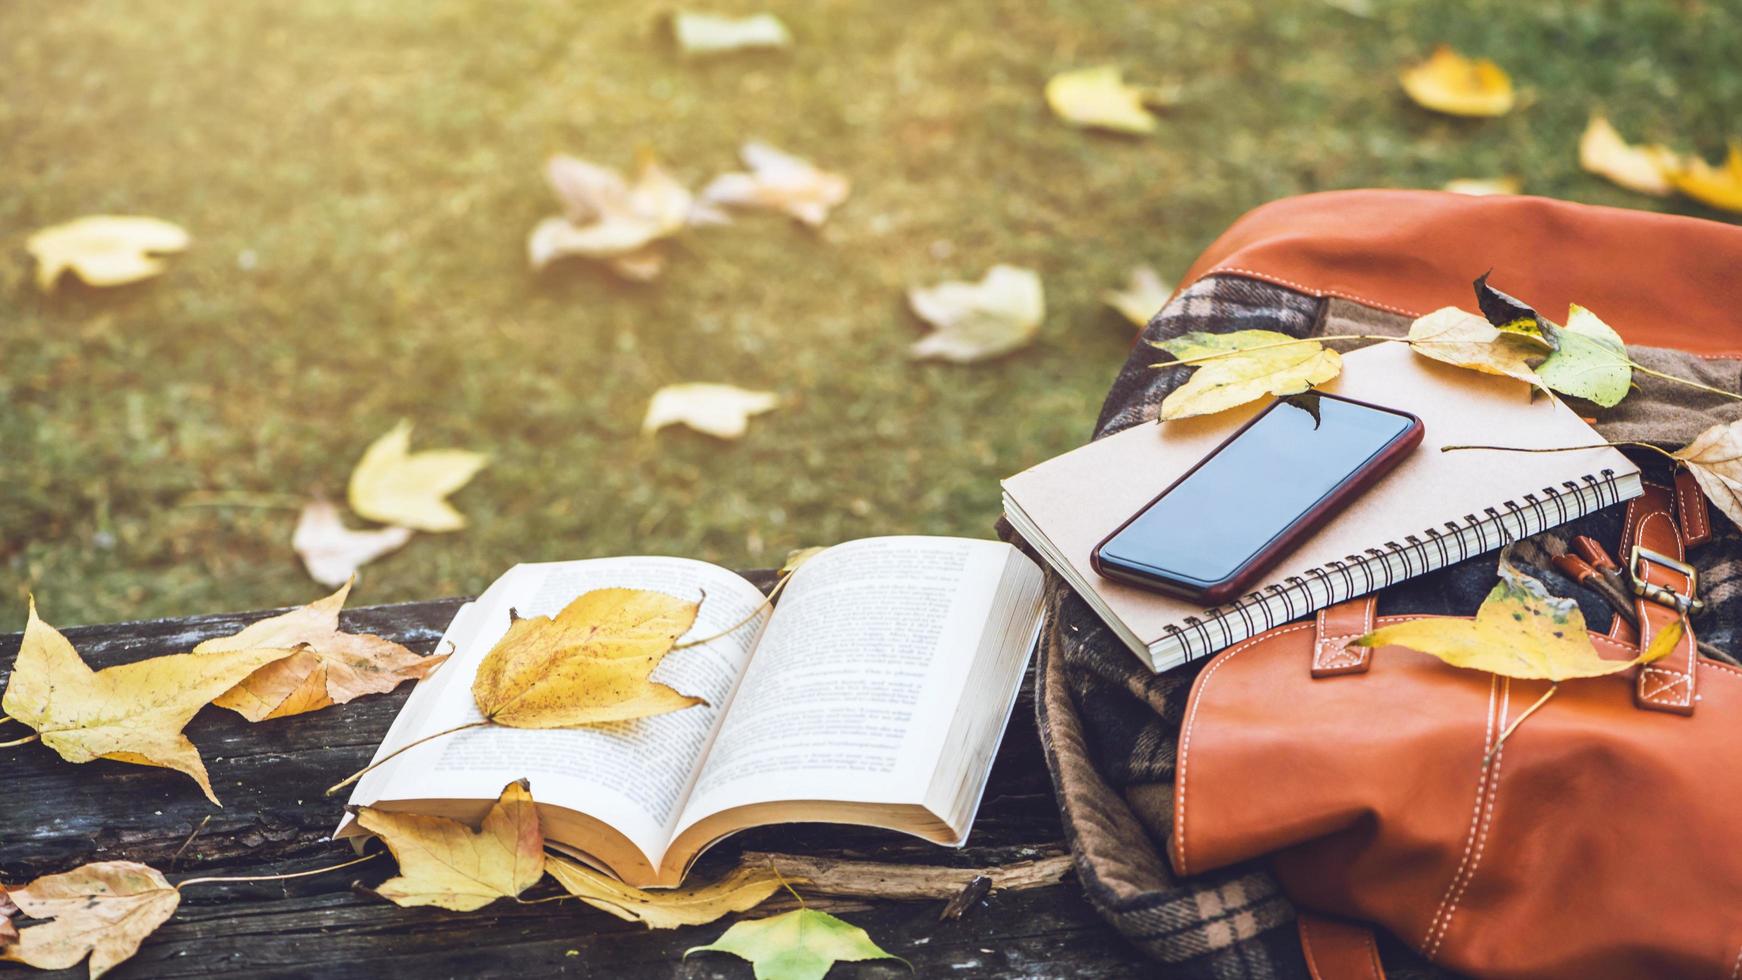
<point>1336,628</point>
<point>1690,509</point>
<point>1670,684</point>
<point>1337,949</point>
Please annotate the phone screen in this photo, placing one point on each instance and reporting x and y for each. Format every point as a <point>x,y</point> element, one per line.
<point>1224,513</point>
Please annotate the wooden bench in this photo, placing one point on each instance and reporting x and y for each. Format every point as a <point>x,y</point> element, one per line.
<point>55,815</point>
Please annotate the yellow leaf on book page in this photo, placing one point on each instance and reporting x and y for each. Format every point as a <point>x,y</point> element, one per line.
<point>588,664</point>
<point>1521,630</point>
<point>103,910</point>
<point>447,864</point>
<point>129,713</point>
<point>692,905</point>
<point>1451,83</point>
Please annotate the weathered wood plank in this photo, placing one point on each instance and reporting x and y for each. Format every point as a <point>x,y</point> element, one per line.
<point>54,815</point>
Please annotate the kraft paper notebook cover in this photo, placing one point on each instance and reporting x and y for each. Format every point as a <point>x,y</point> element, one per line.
<point>1433,510</point>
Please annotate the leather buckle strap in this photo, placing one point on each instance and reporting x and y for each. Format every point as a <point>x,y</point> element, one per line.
<point>1665,584</point>
<point>1645,588</point>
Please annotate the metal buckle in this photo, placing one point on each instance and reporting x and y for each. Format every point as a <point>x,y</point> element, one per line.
<point>1684,604</point>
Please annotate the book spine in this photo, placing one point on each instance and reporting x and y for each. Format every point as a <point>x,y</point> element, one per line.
<point>1356,575</point>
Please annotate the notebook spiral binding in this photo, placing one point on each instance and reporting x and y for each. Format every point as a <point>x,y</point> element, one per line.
<point>1355,575</point>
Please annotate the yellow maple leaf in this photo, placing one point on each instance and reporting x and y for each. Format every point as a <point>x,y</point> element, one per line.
<point>103,910</point>
<point>394,485</point>
<point>1451,83</point>
<point>744,888</point>
<point>1720,186</point>
<point>719,410</point>
<point>332,552</point>
<point>329,667</point>
<point>1645,169</point>
<point>588,664</point>
<point>128,713</point>
<point>1457,337</point>
<point>979,320</point>
<point>609,218</point>
<point>447,864</point>
<point>1244,365</point>
<point>779,182</point>
<point>104,249</point>
<point>1098,98</point>
<point>1521,630</point>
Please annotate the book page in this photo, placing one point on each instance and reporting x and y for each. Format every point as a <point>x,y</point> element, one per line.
<point>633,776</point>
<point>856,679</point>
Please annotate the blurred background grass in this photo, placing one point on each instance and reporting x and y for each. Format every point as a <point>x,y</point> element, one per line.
<point>360,178</point>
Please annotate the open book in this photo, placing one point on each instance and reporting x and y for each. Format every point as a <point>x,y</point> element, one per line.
<point>875,693</point>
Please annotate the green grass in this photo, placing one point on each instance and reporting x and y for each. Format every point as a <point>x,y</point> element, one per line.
<point>379,164</point>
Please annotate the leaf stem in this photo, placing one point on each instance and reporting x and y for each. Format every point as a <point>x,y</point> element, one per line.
<point>1642,369</point>
<point>26,740</point>
<point>284,877</point>
<point>767,601</point>
<point>1489,758</point>
<point>785,884</point>
<point>359,774</point>
<point>1188,361</point>
<point>1567,449</point>
<point>541,901</point>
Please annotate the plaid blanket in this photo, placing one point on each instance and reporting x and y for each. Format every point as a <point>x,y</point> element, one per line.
<point>1110,727</point>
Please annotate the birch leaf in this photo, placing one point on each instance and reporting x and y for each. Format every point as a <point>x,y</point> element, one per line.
<point>1645,169</point>
<point>332,552</point>
<point>779,182</point>
<point>1521,631</point>
<point>712,34</point>
<point>1719,187</point>
<point>1451,83</point>
<point>1267,363</point>
<point>979,320</point>
<point>447,864</point>
<point>1098,98</point>
<point>1592,362</point>
<point>589,664</point>
<point>1513,316</point>
<point>692,905</point>
<point>1715,459</point>
<point>129,713</point>
<point>103,910</point>
<point>104,249</point>
<point>1484,186</point>
<point>394,485</point>
<point>1143,295</point>
<point>721,411</point>
<point>1469,341</point>
<point>608,218</point>
<point>798,945</point>
<point>330,666</point>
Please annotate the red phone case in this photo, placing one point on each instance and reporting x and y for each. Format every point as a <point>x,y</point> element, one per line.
<point>1303,526</point>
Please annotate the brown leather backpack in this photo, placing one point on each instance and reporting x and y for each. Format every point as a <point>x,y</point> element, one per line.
<point>1594,842</point>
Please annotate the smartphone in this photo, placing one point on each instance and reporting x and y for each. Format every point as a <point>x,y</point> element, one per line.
<point>1222,525</point>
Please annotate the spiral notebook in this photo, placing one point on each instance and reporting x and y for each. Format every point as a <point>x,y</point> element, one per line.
<point>1435,509</point>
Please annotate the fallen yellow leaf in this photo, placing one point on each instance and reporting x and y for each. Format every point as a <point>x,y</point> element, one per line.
<point>589,664</point>
<point>332,552</point>
<point>722,411</point>
<point>606,217</point>
<point>1520,630</point>
<point>104,250</point>
<point>1144,294</point>
<point>1484,186</point>
<point>1451,335</point>
<point>394,485</point>
<point>1451,83</point>
<point>1099,98</point>
<point>1645,169</point>
<point>128,713</point>
<point>744,888</point>
<point>979,320</point>
<point>103,910</point>
<point>711,34</point>
<point>1256,363</point>
<point>329,667</point>
<point>779,182</point>
<point>445,863</point>
<point>1720,187</point>
<point>1715,459</point>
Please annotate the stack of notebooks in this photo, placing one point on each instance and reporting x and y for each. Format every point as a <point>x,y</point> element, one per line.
<point>1435,509</point>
